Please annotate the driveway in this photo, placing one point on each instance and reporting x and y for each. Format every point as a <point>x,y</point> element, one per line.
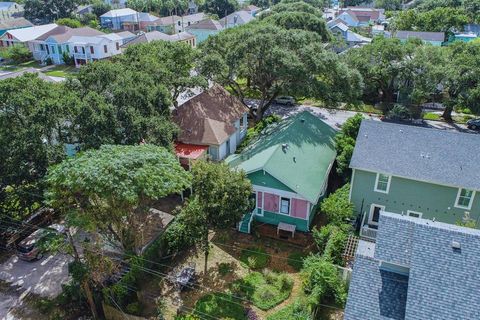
<point>44,277</point>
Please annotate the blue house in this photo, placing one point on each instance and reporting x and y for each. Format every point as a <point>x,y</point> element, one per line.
<point>205,28</point>
<point>418,269</point>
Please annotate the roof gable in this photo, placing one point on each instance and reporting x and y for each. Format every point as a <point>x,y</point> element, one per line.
<point>209,117</point>
<point>298,151</point>
<point>417,153</point>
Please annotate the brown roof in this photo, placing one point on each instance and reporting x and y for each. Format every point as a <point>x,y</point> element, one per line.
<point>63,33</point>
<point>209,118</point>
<point>367,15</point>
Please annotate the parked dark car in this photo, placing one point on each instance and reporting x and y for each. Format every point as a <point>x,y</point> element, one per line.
<point>28,248</point>
<point>473,124</point>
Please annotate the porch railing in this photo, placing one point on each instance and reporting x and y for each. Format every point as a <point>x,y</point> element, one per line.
<point>367,231</point>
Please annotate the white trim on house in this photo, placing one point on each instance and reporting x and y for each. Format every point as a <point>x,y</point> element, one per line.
<point>377,180</point>
<point>413,179</point>
<point>456,205</point>
<point>416,214</point>
<point>370,215</point>
<point>289,206</point>
<point>284,194</point>
<point>351,186</point>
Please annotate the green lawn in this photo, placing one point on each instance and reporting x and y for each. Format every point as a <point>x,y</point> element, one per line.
<point>219,306</point>
<point>61,71</point>
<point>431,116</point>
<point>20,66</point>
<point>254,258</point>
<point>266,290</point>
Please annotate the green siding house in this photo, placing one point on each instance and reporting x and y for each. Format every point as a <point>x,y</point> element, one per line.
<point>414,171</point>
<point>288,165</point>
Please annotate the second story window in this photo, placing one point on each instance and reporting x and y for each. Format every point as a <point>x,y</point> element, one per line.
<point>464,199</point>
<point>105,48</point>
<point>382,183</point>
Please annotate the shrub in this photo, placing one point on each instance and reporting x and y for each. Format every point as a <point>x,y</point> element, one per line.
<point>225,268</point>
<point>219,306</point>
<point>69,22</point>
<point>337,206</point>
<point>295,260</point>
<point>254,258</point>
<point>254,132</point>
<point>265,290</point>
<point>251,314</point>
<point>67,59</point>
<point>134,308</point>
<point>321,280</point>
<point>17,53</point>
<point>331,240</point>
<point>399,112</point>
<point>294,311</point>
<point>344,144</point>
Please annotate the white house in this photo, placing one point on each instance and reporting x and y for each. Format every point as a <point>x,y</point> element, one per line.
<point>24,36</point>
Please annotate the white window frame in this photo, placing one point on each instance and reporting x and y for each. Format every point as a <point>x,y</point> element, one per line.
<point>289,206</point>
<point>370,215</point>
<point>409,213</point>
<point>388,183</point>
<point>458,198</point>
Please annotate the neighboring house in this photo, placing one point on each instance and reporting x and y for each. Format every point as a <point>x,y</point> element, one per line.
<point>433,38</point>
<point>414,171</point>
<point>288,165</point>
<point>175,24</point>
<point>24,36</point>
<point>418,269</point>
<point>214,118</point>
<point>83,44</point>
<point>252,9</point>
<point>237,18</point>
<point>192,7</point>
<point>84,9</point>
<point>341,31</point>
<point>361,16</point>
<point>355,39</point>
<point>12,24</point>
<point>9,10</point>
<point>159,36</point>
<point>463,37</point>
<point>116,4</point>
<point>144,21</point>
<point>115,19</point>
<point>205,28</point>
<point>126,36</point>
<point>472,28</point>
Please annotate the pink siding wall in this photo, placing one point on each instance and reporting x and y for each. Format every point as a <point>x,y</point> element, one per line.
<point>271,202</point>
<point>259,199</point>
<point>299,208</point>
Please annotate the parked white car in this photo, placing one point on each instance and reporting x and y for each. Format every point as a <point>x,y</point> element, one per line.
<point>285,100</point>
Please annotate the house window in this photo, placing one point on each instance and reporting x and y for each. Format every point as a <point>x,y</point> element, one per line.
<point>242,123</point>
<point>179,23</point>
<point>83,50</point>
<point>285,205</point>
<point>92,51</point>
<point>59,49</point>
<point>105,48</point>
<point>117,45</point>
<point>375,214</point>
<point>67,48</point>
<point>382,183</point>
<point>75,49</point>
<point>464,199</point>
<point>414,214</point>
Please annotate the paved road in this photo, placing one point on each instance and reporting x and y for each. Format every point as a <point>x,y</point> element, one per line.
<point>336,118</point>
<point>44,277</point>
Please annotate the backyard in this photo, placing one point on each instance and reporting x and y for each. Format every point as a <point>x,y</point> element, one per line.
<point>247,276</point>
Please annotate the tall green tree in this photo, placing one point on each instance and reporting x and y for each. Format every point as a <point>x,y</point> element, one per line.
<point>221,197</point>
<point>437,20</point>
<point>46,11</point>
<point>270,61</point>
<point>109,187</point>
<point>169,63</point>
<point>220,8</point>
<point>345,143</point>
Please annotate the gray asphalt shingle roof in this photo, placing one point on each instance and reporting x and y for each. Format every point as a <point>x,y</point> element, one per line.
<point>442,283</point>
<point>426,36</point>
<point>431,155</point>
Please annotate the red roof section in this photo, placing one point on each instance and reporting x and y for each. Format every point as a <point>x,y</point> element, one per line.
<point>189,151</point>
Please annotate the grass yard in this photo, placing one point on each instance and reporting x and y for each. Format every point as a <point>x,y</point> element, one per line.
<point>266,290</point>
<point>254,258</point>
<point>431,116</point>
<point>20,66</point>
<point>61,71</point>
<point>220,306</point>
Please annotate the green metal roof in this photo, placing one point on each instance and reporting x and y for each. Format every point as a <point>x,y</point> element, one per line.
<point>297,151</point>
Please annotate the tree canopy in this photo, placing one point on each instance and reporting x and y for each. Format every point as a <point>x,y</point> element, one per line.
<point>220,8</point>
<point>110,186</point>
<point>45,11</point>
<point>271,61</point>
<point>439,19</point>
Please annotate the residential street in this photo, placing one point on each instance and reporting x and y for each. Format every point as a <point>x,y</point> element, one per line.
<point>336,118</point>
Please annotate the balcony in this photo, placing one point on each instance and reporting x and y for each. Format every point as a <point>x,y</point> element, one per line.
<point>368,231</point>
